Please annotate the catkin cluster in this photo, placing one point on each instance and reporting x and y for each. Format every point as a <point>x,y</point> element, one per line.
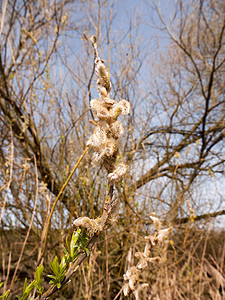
<point>104,140</point>
<point>132,275</point>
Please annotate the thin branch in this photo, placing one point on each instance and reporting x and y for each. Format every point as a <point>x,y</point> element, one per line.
<point>30,226</point>
<point>57,198</point>
<point>199,217</point>
<point>11,156</point>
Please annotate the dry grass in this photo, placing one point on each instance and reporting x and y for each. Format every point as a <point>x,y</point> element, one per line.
<point>192,264</point>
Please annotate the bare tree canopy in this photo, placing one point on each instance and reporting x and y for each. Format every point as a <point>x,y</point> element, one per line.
<point>168,61</point>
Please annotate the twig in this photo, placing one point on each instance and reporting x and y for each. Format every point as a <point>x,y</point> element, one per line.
<point>30,226</point>
<point>57,198</point>
<point>74,266</point>
<point>10,175</point>
<point>105,147</point>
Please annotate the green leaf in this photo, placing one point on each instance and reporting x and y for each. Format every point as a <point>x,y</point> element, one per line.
<point>67,244</point>
<point>1,284</point>
<point>38,274</point>
<point>66,252</point>
<point>87,251</point>
<point>25,286</point>
<point>55,266</point>
<point>64,263</point>
<point>58,285</point>
<point>83,238</point>
<point>61,277</point>
<point>76,254</point>
<point>5,296</point>
<point>30,288</point>
<point>73,243</point>
<point>38,279</point>
<point>58,270</point>
<point>40,289</point>
<point>52,276</point>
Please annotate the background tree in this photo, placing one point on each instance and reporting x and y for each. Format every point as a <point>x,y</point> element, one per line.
<point>174,142</point>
